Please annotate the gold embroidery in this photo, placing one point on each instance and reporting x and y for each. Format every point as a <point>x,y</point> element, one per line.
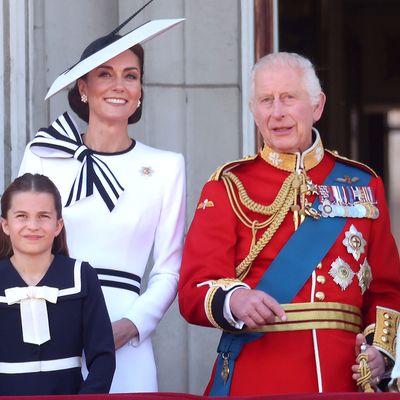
<point>288,162</point>
<point>205,204</point>
<point>387,322</point>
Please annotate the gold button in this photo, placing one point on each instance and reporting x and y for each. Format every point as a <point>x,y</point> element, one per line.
<point>386,331</point>
<point>319,266</point>
<point>321,279</point>
<point>387,316</point>
<point>384,339</point>
<point>320,296</point>
<point>387,323</point>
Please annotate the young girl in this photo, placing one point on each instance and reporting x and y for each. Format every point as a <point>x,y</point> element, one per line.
<point>51,306</point>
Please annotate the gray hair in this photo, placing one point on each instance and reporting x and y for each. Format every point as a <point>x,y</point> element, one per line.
<point>294,60</point>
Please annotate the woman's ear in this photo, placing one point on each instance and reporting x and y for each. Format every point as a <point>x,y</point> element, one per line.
<point>60,225</point>
<point>81,86</point>
<point>4,225</point>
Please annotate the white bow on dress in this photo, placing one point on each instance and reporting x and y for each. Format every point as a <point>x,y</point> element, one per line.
<point>34,318</point>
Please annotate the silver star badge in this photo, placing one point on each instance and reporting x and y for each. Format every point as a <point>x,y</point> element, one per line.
<point>354,242</point>
<point>341,273</point>
<point>364,276</point>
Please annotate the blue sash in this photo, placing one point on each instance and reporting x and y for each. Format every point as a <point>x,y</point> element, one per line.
<point>285,264</point>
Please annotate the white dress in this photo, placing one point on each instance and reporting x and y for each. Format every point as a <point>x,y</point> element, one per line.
<point>148,216</point>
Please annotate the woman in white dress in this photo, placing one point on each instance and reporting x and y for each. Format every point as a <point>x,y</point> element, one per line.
<point>122,200</point>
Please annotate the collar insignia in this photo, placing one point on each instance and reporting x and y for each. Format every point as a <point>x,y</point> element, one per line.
<point>293,161</point>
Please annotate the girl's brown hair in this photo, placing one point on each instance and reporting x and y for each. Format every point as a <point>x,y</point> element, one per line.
<point>32,183</point>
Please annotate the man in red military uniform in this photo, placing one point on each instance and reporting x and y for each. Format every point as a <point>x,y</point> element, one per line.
<point>290,254</point>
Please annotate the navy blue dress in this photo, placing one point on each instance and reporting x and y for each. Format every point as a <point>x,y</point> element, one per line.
<point>77,322</point>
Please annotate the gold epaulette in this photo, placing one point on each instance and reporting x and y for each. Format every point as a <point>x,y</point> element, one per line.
<point>346,160</point>
<point>216,175</point>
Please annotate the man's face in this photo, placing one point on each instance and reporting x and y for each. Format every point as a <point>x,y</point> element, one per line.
<point>282,109</point>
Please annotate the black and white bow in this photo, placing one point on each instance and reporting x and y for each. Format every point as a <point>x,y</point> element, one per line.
<point>62,140</point>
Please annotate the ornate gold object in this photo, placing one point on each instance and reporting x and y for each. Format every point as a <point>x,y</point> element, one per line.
<point>225,367</point>
<point>387,322</point>
<point>364,381</point>
<point>291,196</point>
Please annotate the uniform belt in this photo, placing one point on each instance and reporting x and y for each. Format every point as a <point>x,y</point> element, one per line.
<point>305,316</point>
<point>40,366</point>
<point>119,279</point>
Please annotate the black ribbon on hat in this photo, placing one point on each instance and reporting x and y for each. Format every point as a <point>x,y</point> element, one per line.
<point>62,140</point>
<point>104,41</point>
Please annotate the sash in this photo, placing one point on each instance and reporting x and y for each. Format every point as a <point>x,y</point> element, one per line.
<point>286,264</point>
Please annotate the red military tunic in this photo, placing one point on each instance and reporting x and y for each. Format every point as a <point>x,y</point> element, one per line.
<point>303,360</point>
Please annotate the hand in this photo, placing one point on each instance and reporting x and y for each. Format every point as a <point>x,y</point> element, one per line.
<point>124,330</point>
<point>375,361</point>
<point>255,308</point>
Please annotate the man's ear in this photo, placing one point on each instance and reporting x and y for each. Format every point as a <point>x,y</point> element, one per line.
<point>319,107</point>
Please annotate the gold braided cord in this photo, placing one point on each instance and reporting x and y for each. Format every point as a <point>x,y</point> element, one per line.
<point>364,381</point>
<point>289,182</point>
<point>243,268</point>
<point>276,213</point>
<point>252,224</point>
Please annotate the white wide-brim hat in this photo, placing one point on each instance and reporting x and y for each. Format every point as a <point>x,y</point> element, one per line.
<point>109,47</point>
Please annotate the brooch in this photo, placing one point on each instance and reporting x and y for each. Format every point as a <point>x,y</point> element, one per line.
<point>146,171</point>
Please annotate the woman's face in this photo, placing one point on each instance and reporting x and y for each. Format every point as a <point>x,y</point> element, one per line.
<point>113,89</point>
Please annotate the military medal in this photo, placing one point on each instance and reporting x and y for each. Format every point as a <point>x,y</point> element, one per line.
<point>347,201</point>
<point>354,242</point>
<point>341,273</point>
<point>364,276</point>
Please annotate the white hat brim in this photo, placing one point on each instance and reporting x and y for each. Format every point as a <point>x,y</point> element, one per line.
<point>139,35</point>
